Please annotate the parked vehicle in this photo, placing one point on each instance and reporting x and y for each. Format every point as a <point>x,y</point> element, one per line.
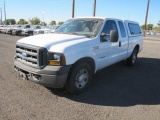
<point>78,49</point>
<point>51,29</point>
<point>8,28</point>
<point>37,31</point>
<point>3,28</point>
<point>18,30</point>
<point>29,31</point>
<point>13,27</point>
<point>46,28</point>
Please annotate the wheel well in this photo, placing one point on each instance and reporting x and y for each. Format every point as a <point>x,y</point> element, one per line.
<point>137,47</point>
<point>89,60</point>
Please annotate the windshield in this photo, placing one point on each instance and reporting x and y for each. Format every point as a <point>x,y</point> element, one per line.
<point>85,26</point>
<point>23,26</point>
<point>34,26</point>
<point>18,26</point>
<point>53,27</point>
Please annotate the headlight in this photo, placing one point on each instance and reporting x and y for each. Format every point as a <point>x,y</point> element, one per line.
<point>56,59</point>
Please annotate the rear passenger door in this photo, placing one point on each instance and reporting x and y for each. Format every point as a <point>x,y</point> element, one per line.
<point>123,40</point>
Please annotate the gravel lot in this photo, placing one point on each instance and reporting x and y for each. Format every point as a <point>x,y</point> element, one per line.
<point>117,92</point>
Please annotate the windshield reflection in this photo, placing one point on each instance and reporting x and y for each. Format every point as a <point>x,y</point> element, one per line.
<point>84,26</point>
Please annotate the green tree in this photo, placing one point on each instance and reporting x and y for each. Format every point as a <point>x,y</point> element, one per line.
<point>53,22</point>
<point>43,23</point>
<point>157,28</point>
<point>22,22</point>
<point>10,21</point>
<point>149,26</point>
<point>158,24</point>
<point>142,27</point>
<point>60,22</point>
<point>34,21</point>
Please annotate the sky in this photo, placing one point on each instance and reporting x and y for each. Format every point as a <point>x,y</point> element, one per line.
<point>61,10</point>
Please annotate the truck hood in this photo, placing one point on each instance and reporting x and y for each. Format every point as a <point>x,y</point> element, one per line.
<point>50,40</point>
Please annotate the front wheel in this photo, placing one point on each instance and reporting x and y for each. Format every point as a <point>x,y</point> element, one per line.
<point>30,33</point>
<point>11,32</point>
<point>79,78</point>
<point>132,59</point>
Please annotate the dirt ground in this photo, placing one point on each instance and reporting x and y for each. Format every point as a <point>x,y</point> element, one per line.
<point>117,92</point>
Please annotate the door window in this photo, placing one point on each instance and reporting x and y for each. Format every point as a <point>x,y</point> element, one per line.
<point>109,25</point>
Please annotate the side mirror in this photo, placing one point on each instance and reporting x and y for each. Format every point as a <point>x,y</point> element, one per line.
<point>113,36</point>
<point>102,36</point>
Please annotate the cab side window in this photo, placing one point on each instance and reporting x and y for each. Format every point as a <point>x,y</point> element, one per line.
<point>121,26</point>
<point>109,25</point>
<point>134,29</point>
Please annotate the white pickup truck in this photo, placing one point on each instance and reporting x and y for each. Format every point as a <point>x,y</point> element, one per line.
<point>18,30</point>
<point>30,31</point>
<point>78,49</point>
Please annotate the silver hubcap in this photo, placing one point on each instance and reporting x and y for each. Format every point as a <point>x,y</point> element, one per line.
<point>82,78</point>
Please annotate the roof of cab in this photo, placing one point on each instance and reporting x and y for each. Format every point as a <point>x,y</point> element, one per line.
<point>104,18</point>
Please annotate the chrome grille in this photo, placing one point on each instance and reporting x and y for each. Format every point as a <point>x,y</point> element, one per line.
<point>41,31</point>
<point>29,55</point>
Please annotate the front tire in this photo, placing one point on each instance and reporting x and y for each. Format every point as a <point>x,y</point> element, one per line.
<point>11,32</point>
<point>79,78</point>
<point>133,58</point>
<point>30,33</point>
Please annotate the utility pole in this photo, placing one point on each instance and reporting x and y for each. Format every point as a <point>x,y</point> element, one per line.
<point>94,8</point>
<point>1,15</point>
<point>146,18</point>
<point>73,1</point>
<point>4,12</point>
<point>43,18</point>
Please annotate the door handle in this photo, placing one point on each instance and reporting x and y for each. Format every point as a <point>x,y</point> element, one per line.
<point>119,44</point>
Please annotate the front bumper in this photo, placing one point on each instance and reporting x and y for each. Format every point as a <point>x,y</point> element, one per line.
<point>50,76</point>
<point>24,32</point>
<point>15,32</point>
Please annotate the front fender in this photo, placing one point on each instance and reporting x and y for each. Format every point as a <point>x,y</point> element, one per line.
<point>73,56</point>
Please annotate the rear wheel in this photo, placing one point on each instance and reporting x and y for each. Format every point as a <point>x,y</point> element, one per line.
<point>132,59</point>
<point>79,78</point>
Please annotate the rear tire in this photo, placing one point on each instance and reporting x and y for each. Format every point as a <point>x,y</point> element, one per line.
<point>132,59</point>
<point>79,78</point>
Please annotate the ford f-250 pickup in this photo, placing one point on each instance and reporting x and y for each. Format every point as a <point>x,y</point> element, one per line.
<point>78,49</point>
